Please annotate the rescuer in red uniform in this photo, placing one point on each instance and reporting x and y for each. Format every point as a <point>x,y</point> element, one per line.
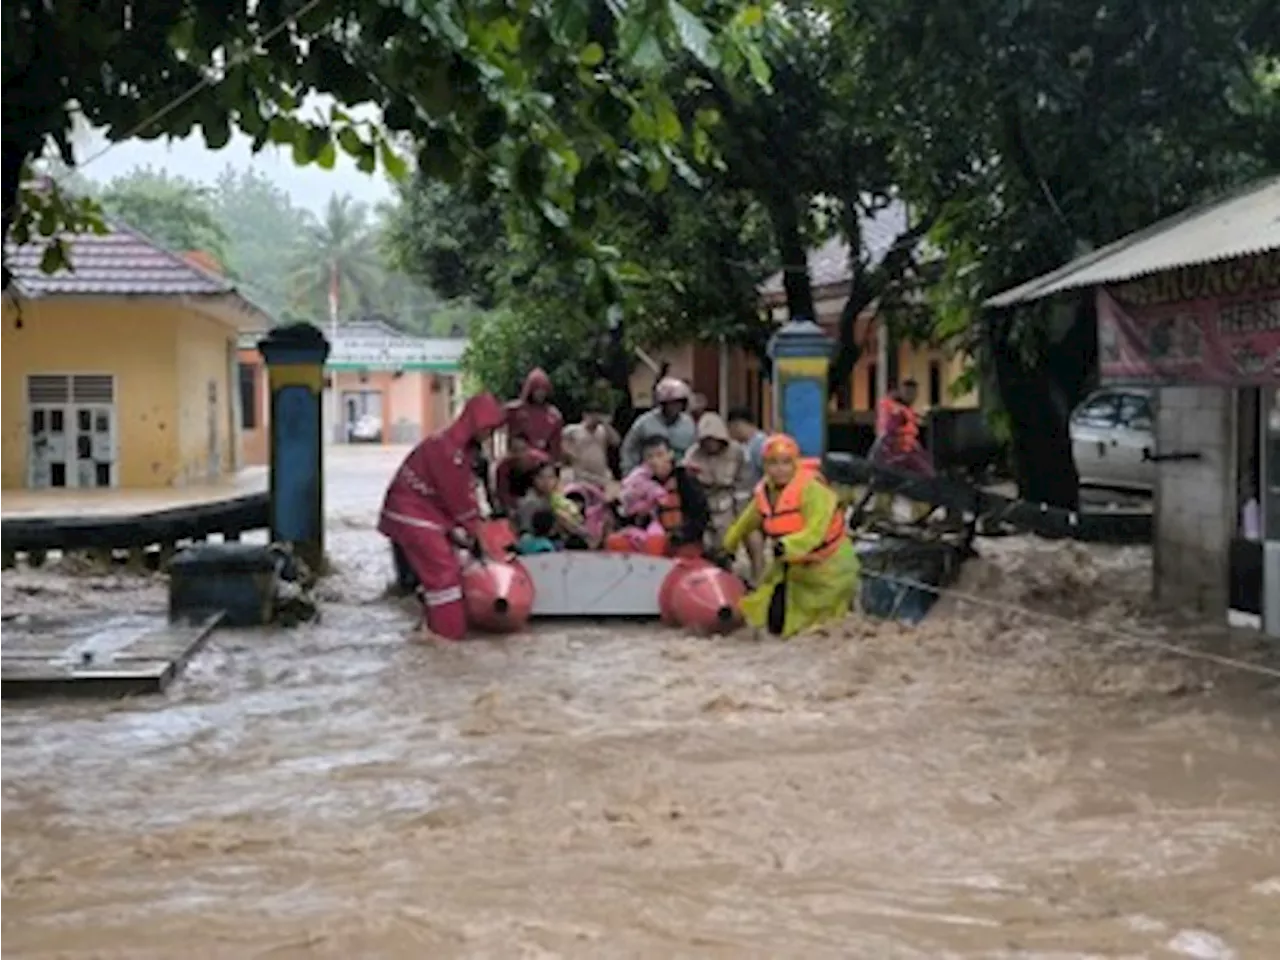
<point>430,510</point>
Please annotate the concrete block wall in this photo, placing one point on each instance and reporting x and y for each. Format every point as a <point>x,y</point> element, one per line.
<point>1195,499</point>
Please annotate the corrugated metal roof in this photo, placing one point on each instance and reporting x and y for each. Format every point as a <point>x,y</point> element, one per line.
<point>829,263</point>
<point>120,263</point>
<point>1241,224</point>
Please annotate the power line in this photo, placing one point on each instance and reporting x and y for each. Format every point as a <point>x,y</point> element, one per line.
<point>206,81</point>
<point>1108,633</point>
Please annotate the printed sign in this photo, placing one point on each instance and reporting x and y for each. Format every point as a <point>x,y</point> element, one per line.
<point>396,352</point>
<point>1231,338</point>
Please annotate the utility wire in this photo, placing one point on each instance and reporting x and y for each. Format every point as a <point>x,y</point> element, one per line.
<point>1108,633</point>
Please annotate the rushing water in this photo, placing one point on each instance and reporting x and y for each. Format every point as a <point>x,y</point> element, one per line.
<point>984,786</point>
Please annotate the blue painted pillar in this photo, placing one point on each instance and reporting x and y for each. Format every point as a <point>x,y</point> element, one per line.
<point>801,355</point>
<point>295,357</point>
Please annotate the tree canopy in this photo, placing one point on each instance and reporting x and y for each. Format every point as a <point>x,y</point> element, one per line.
<point>173,211</point>
<point>470,85</point>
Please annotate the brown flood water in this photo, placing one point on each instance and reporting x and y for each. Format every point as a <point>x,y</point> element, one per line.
<point>983,786</point>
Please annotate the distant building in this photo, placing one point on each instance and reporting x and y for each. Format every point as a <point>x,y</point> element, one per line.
<point>883,363</point>
<point>391,387</point>
<point>122,371</point>
<point>732,377</point>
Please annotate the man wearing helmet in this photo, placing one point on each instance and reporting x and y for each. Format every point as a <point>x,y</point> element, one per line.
<point>669,418</point>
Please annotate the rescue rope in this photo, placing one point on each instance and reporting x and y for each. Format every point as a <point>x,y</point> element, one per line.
<point>1106,633</point>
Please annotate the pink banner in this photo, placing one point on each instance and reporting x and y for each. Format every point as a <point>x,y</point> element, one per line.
<point>1227,340</point>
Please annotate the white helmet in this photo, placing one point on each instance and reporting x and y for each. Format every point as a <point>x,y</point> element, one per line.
<point>671,390</point>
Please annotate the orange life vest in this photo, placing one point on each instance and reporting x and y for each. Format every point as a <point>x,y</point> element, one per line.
<point>907,437</point>
<point>670,510</point>
<point>781,517</point>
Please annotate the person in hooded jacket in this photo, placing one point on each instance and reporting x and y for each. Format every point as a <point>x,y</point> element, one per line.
<point>669,418</point>
<point>534,417</point>
<point>720,465</point>
<point>430,510</point>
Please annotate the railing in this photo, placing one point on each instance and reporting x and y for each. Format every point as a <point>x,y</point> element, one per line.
<point>153,534</point>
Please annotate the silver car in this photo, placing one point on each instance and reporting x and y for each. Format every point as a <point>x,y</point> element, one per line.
<point>1113,439</point>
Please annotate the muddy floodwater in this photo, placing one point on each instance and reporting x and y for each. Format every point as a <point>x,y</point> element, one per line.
<point>986,785</point>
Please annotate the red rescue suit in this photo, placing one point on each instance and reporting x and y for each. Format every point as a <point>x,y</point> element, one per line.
<point>431,495</point>
<point>540,424</point>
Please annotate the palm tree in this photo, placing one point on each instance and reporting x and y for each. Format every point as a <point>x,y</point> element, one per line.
<point>337,257</point>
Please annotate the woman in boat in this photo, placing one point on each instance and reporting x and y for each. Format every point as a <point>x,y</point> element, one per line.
<point>813,576</point>
<point>430,510</point>
<point>544,494</point>
<point>721,467</point>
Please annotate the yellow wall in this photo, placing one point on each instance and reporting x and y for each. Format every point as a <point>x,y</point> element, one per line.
<point>161,355</point>
<point>205,431</point>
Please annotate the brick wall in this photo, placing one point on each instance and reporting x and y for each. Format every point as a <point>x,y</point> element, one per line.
<point>1195,499</point>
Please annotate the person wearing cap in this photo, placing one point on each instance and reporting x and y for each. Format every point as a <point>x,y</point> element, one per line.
<point>669,418</point>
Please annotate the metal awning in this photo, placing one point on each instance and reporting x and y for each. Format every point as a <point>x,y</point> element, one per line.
<point>1241,224</point>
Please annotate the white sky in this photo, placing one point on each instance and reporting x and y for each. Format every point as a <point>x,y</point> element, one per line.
<point>309,187</point>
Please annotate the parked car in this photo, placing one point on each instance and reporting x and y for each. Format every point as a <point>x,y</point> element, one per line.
<point>368,429</point>
<point>1113,439</point>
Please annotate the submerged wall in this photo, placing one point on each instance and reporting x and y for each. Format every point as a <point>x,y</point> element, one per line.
<point>1195,499</point>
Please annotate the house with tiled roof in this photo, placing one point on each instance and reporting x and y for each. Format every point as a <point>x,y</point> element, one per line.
<point>120,371</point>
<point>882,363</point>
<point>731,377</point>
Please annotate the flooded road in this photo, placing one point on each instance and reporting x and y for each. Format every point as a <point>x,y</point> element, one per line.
<point>984,786</point>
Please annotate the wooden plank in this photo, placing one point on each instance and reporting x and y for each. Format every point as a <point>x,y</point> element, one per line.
<point>125,656</point>
<point>136,530</point>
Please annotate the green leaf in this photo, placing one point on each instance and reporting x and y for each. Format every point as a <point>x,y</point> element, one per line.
<point>326,156</point>
<point>659,177</point>
<point>54,257</point>
<point>750,16</point>
<point>216,126</point>
<point>592,55</point>
<point>668,122</point>
<point>693,33</point>
<point>506,33</point>
<point>392,162</point>
<point>436,158</point>
<point>350,142</point>
<point>281,130</point>
<point>555,216</point>
<point>367,161</point>
<point>760,71</point>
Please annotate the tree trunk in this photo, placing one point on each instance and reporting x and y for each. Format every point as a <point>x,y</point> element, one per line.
<point>14,159</point>
<point>1039,399</point>
<point>795,258</point>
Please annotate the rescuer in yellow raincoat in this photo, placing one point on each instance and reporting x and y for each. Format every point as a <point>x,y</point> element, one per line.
<point>813,576</point>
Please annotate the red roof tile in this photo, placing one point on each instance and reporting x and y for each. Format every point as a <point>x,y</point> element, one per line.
<point>120,263</point>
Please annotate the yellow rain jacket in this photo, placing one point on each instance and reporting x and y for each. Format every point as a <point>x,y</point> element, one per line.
<point>819,569</point>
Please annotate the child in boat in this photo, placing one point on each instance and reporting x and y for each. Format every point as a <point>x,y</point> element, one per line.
<point>641,498</point>
<point>539,538</point>
<point>813,576</point>
<point>544,494</point>
<point>667,501</point>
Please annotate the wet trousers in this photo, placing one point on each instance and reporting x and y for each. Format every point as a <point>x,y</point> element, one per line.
<point>431,556</point>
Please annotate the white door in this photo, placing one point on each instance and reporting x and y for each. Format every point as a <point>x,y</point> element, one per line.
<point>72,439</point>
<point>1092,431</point>
<point>1134,443</point>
